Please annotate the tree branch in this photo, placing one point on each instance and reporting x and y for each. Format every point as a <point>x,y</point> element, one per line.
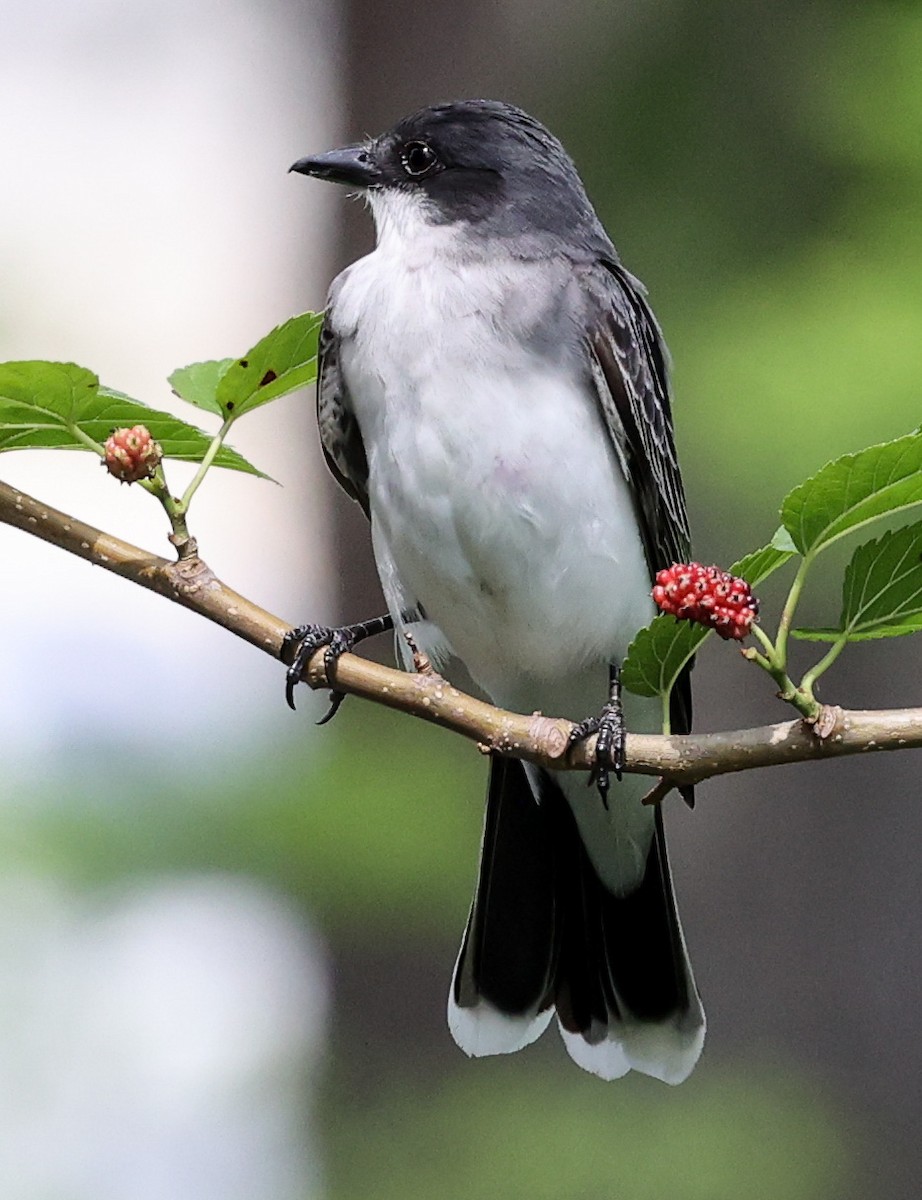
<point>536,738</point>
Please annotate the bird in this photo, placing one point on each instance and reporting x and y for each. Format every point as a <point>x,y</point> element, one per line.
<point>493,390</point>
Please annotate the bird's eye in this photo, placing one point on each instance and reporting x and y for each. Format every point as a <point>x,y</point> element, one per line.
<point>418,159</point>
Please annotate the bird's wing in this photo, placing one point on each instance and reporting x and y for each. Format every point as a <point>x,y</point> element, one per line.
<point>629,365</point>
<point>340,435</point>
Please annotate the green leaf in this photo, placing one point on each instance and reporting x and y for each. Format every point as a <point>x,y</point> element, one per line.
<point>198,383</point>
<point>760,564</point>
<point>60,406</point>
<point>854,490</point>
<point>782,540</point>
<point>816,635</point>
<point>282,361</point>
<point>882,592</point>
<point>659,652</point>
<point>39,399</point>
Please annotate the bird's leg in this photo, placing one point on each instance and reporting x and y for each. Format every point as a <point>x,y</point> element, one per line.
<point>300,645</point>
<point>611,739</point>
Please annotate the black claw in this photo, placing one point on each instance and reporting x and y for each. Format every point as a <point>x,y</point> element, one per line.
<point>602,783</point>
<point>609,747</point>
<point>579,733</point>
<point>309,639</point>
<point>301,644</point>
<point>610,743</point>
<point>336,699</point>
<point>292,679</point>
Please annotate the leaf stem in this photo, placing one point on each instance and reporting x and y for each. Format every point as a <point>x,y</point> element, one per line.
<point>787,615</point>
<point>811,676</point>
<point>75,431</point>
<point>667,711</point>
<point>216,443</point>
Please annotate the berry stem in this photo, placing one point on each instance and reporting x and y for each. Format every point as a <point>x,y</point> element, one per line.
<point>176,507</point>
<point>771,654</point>
<point>801,697</point>
<point>175,510</point>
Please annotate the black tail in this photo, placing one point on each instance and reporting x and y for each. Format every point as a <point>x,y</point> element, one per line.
<point>545,933</point>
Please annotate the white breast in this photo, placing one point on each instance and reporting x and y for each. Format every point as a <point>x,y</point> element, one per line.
<point>492,481</point>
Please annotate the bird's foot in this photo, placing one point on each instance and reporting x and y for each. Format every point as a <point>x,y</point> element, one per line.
<point>611,738</point>
<point>301,644</point>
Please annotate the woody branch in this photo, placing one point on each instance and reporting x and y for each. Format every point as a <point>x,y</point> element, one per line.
<point>677,759</point>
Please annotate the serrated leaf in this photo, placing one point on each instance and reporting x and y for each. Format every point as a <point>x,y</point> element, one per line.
<point>282,361</point>
<point>198,383</point>
<point>854,490</point>
<point>658,653</point>
<point>38,399</point>
<point>910,625</point>
<point>882,591</point>
<point>46,405</point>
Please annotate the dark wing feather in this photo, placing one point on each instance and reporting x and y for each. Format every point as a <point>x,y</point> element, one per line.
<point>629,368</point>
<point>340,435</point>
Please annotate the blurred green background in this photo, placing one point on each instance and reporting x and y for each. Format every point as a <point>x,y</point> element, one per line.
<point>759,166</point>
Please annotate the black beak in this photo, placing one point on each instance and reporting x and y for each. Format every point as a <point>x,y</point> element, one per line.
<point>353,165</point>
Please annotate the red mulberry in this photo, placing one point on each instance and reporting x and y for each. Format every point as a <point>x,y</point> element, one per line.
<point>708,596</point>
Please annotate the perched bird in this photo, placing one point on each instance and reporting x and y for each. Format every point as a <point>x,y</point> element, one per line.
<point>493,392</point>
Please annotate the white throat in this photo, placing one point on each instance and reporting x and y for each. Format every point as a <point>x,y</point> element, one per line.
<point>407,227</point>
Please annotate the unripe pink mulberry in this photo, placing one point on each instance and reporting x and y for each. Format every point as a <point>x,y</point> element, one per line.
<point>132,454</point>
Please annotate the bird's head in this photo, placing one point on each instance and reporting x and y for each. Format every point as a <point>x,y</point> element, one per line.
<point>478,162</point>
